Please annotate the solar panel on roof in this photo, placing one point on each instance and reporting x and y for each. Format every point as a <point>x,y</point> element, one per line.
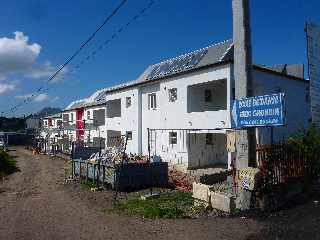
<point>101,97</point>
<point>177,64</point>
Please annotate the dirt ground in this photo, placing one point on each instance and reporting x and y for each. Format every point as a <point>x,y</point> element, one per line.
<point>35,203</point>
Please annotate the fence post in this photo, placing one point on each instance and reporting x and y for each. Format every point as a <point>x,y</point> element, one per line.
<point>104,174</point>
<point>72,168</point>
<point>94,173</point>
<point>87,172</point>
<point>149,153</point>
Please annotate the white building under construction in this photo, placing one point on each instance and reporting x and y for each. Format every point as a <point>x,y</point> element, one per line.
<point>181,107</point>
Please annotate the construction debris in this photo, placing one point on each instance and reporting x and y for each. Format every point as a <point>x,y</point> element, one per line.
<point>150,196</point>
<point>113,155</point>
<point>180,180</point>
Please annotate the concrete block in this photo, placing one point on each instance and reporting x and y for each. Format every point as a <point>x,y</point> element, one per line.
<point>223,202</point>
<point>201,192</point>
<point>243,201</point>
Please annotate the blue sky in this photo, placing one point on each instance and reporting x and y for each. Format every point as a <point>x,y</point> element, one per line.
<point>36,36</point>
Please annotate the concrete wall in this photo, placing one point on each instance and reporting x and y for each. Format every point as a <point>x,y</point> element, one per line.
<point>99,131</point>
<point>184,114</point>
<point>172,115</point>
<point>175,115</point>
<point>197,101</point>
<point>129,120</point>
<point>201,154</point>
<point>297,111</point>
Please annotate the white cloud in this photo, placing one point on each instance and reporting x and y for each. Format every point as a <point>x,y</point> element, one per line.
<point>6,87</point>
<point>41,97</point>
<point>46,70</point>
<point>16,54</point>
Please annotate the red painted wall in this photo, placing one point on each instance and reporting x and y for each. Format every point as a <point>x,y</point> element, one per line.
<point>80,123</point>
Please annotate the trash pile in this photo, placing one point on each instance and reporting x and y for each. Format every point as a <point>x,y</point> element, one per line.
<point>112,155</point>
<point>180,180</point>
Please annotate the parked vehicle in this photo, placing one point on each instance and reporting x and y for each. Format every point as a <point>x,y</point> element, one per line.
<point>2,144</point>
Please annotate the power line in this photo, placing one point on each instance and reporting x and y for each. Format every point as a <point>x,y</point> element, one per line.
<point>109,17</point>
<point>95,51</point>
<point>88,40</point>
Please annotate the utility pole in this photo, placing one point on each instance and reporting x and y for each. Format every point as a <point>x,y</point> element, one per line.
<point>245,139</point>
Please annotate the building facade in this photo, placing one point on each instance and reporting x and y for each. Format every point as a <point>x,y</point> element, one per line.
<point>179,110</point>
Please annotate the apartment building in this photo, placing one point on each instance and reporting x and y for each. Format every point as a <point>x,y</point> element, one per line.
<point>84,120</point>
<point>181,109</point>
<point>51,131</point>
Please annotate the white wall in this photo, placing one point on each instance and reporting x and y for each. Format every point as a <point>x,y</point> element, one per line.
<point>175,115</point>
<point>202,154</point>
<point>129,117</point>
<point>100,131</point>
<point>297,111</point>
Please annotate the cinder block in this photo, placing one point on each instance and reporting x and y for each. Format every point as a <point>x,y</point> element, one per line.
<point>223,202</point>
<point>201,192</point>
<point>243,201</point>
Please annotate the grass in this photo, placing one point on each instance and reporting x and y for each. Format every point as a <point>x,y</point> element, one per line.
<point>87,184</point>
<point>7,163</point>
<point>169,205</point>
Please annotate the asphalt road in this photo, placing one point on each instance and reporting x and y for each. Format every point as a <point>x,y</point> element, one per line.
<point>36,204</point>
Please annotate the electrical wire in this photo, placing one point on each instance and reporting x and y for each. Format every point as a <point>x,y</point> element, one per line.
<point>92,53</point>
<point>85,43</point>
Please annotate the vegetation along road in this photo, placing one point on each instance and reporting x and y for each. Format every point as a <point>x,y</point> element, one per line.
<point>35,203</point>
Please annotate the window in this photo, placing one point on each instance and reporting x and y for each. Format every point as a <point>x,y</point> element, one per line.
<point>129,135</point>
<point>59,123</point>
<point>45,123</point>
<point>71,116</point>
<point>65,117</point>
<point>128,102</point>
<point>209,139</point>
<point>99,117</point>
<point>173,138</point>
<point>173,96</point>
<point>152,101</point>
<point>207,95</point>
<point>88,115</point>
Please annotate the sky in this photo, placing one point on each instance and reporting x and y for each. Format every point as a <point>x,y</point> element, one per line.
<point>37,36</point>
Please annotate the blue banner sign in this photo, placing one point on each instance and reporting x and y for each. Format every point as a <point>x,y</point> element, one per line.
<point>259,111</point>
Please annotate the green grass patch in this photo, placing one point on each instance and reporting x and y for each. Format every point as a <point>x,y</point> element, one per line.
<point>87,184</point>
<point>7,163</point>
<point>175,204</point>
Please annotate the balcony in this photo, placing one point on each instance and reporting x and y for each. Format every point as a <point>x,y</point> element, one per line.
<point>210,96</point>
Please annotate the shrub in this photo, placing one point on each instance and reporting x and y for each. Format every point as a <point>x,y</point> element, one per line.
<point>308,142</point>
<point>7,163</point>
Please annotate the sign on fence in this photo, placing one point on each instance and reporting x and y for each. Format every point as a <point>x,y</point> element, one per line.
<point>266,110</point>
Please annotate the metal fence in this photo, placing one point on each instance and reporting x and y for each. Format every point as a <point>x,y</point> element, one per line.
<point>280,164</point>
<point>122,176</point>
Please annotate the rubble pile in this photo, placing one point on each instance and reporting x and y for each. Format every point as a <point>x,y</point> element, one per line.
<point>112,155</point>
<point>180,180</point>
